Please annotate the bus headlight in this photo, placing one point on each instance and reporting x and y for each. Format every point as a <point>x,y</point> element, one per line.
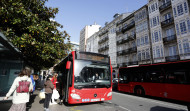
<point>109,94</point>
<point>75,96</point>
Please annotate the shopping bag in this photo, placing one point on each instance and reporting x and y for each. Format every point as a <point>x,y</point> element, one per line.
<point>55,94</point>
<point>42,95</point>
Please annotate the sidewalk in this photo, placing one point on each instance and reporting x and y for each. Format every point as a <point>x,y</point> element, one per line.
<point>35,104</point>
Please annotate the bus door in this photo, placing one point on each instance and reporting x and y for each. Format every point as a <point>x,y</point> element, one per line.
<point>68,79</point>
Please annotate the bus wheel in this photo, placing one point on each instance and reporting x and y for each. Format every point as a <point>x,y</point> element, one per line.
<point>139,91</point>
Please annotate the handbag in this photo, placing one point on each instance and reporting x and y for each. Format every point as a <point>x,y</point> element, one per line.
<point>55,94</point>
<point>42,94</point>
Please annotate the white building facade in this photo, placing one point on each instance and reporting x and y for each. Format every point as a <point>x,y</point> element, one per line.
<point>85,33</point>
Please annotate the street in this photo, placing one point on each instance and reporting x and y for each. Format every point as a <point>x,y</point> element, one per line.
<point>125,102</point>
<point>120,102</point>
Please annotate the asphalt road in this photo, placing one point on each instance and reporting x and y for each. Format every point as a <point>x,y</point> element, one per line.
<point>120,102</point>
<point>126,102</point>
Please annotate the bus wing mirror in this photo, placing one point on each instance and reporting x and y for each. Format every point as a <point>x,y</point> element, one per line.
<point>68,65</point>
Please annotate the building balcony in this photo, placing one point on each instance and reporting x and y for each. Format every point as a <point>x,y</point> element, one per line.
<point>126,51</point>
<point>103,48</point>
<point>103,40</point>
<point>104,32</point>
<point>165,6</point>
<point>172,58</point>
<point>124,64</point>
<point>167,22</point>
<point>133,49</point>
<point>169,39</point>
<point>119,41</point>
<point>119,22</point>
<point>129,26</point>
<point>118,32</point>
<point>133,63</point>
<point>119,53</point>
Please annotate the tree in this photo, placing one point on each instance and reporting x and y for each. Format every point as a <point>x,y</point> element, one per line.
<point>28,25</point>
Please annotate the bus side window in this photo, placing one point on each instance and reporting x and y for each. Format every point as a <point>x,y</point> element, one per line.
<point>176,77</point>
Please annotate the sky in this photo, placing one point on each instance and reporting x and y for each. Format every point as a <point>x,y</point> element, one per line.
<point>74,15</point>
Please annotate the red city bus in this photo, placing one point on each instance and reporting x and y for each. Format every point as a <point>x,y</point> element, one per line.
<point>167,80</point>
<point>79,81</point>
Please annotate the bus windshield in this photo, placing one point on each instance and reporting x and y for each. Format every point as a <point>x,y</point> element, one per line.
<point>89,74</point>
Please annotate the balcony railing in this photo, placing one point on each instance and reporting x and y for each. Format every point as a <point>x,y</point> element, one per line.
<point>133,63</point>
<point>172,58</point>
<point>165,6</point>
<point>119,53</point>
<point>133,49</point>
<point>167,22</point>
<point>118,32</point>
<point>169,39</point>
<point>104,32</point>
<point>103,40</point>
<point>129,26</point>
<point>103,48</point>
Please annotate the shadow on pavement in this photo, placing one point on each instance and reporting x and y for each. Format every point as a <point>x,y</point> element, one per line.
<point>160,108</point>
<point>29,104</point>
<point>41,101</point>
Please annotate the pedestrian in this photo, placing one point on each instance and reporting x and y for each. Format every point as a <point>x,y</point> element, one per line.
<point>48,85</point>
<point>19,98</point>
<point>34,77</point>
<point>54,81</point>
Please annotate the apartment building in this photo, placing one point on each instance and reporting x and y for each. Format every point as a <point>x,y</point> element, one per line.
<point>104,41</point>
<point>126,42</point>
<point>143,40</point>
<point>181,18</point>
<point>85,33</point>
<point>157,32</point>
<point>92,43</point>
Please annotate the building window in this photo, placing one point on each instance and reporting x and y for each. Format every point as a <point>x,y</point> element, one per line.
<point>177,28</point>
<point>158,19</point>
<point>147,54</point>
<point>174,10</point>
<point>138,42</point>
<point>157,52</point>
<point>160,36</point>
<point>172,50</point>
<point>142,41</point>
<point>156,36</point>
<point>186,47</point>
<point>188,25</point>
<point>139,55</point>
<point>162,53</point>
<point>152,7</point>
<point>183,28</point>
<point>152,38</point>
<point>146,40</point>
<point>185,7</point>
<point>154,53</point>
<point>154,21</point>
<point>143,55</point>
<point>180,48</point>
<point>180,9</point>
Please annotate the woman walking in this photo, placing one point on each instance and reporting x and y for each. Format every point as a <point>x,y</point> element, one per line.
<point>48,92</point>
<point>54,81</point>
<point>20,98</point>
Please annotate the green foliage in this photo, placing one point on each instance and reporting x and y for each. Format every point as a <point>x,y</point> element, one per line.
<point>28,26</point>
